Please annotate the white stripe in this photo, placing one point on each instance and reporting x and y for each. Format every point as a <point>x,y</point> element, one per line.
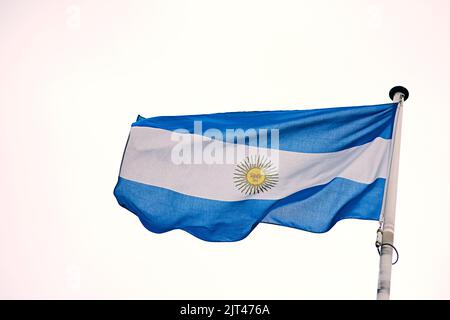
<point>148,160</point>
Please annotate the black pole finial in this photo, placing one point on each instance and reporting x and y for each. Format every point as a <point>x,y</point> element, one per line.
<point>400,89</point>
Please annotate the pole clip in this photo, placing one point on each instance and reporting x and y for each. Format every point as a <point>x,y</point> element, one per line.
<point>379,245</point>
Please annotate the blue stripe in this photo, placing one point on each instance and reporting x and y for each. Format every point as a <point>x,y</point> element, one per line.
<point>309,131</point>
<point>316,209</point>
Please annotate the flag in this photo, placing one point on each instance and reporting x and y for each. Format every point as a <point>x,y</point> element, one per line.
<point>217,176</point>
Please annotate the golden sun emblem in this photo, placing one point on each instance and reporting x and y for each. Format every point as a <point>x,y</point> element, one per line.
<point>255,174</point>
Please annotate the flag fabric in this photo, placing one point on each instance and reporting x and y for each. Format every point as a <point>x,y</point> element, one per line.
<point>217,176</point>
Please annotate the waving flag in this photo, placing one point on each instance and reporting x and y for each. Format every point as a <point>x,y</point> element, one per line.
<point>217,176</point>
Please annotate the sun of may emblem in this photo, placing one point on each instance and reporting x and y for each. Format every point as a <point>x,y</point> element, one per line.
<point>255,174</point>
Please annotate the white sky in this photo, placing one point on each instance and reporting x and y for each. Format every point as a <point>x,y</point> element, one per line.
<point>74,75</point>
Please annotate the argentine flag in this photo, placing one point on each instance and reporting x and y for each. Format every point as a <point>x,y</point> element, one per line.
<point>217,176</point>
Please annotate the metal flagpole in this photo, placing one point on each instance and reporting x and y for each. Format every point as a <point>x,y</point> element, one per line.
<point>397,94</point>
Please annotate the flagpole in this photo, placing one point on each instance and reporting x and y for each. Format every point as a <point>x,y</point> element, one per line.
<point>397,94</point>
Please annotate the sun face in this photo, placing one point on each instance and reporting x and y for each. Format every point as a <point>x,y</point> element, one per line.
<point>255,175</point>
